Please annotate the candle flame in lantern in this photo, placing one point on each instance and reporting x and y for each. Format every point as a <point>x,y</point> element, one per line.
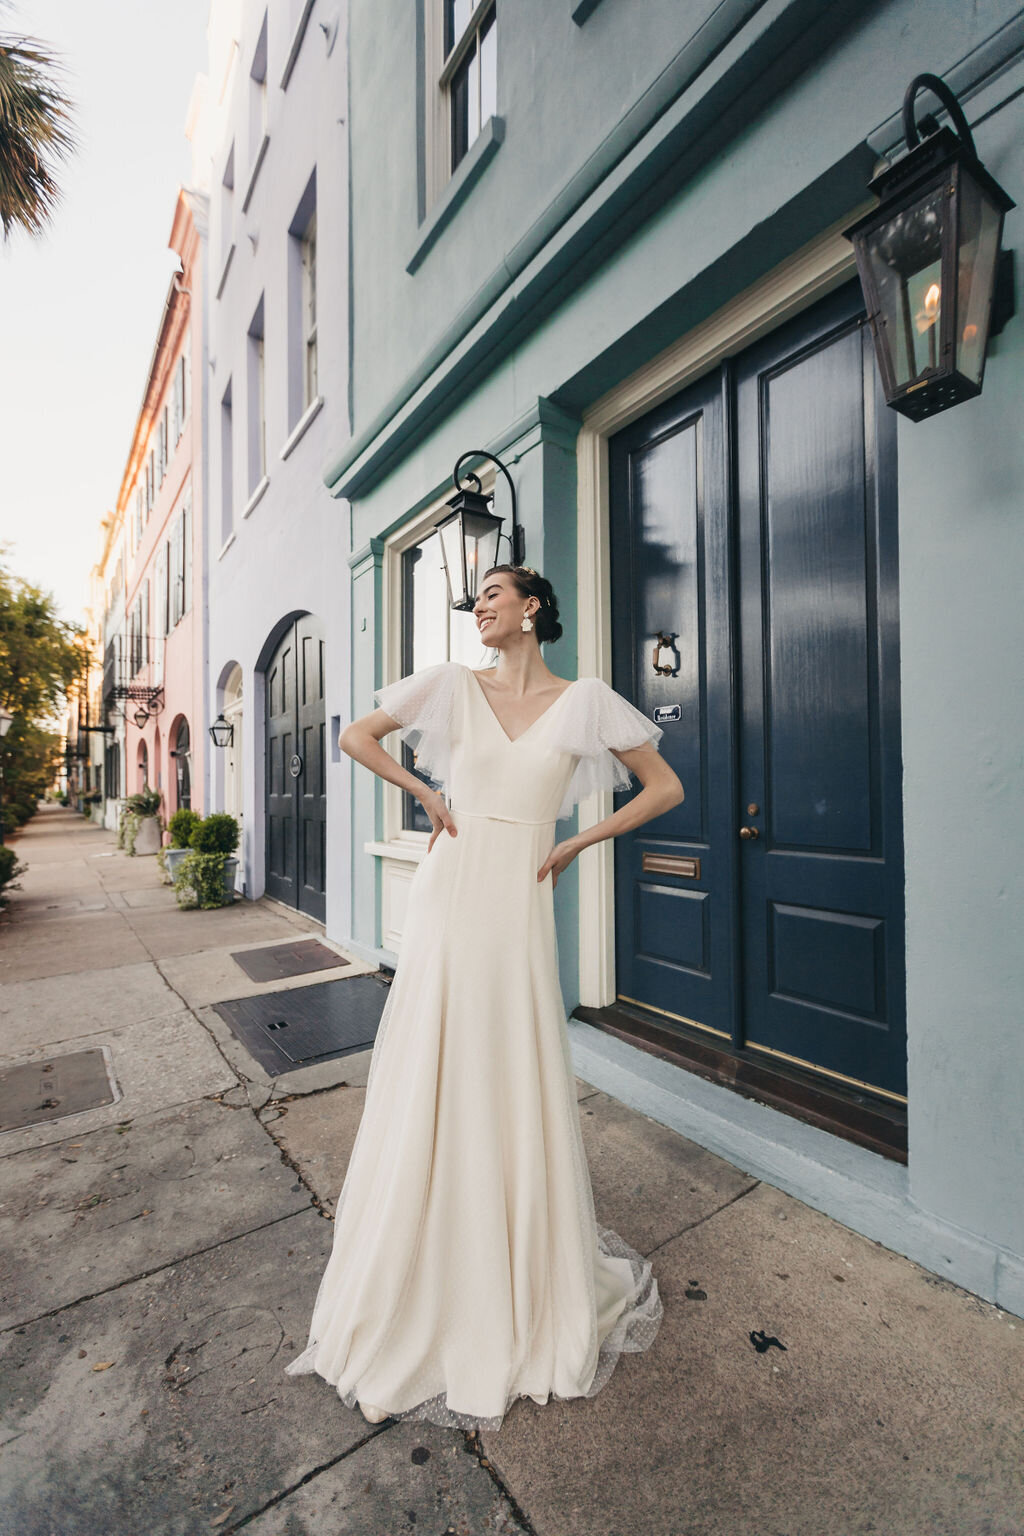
<point>928,315</point>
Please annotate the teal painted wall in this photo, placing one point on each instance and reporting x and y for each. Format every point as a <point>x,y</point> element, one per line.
<point>775,176</point>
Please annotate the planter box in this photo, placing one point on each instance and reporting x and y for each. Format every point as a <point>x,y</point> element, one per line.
<point>174,857</point>
<point>147,839</point>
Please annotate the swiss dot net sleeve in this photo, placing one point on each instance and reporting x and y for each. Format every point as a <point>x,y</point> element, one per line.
<point>422,704</point>
<point>595,721</point>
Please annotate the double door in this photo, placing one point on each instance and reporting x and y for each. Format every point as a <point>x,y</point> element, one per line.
<point>296,765</point>
<point>756,619</point>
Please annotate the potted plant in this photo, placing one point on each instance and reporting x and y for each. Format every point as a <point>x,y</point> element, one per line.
<point>140,822</point>
<point>206,875</point>
<point>181,826</point>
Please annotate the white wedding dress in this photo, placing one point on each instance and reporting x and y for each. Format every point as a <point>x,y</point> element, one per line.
<point>468,1268</point>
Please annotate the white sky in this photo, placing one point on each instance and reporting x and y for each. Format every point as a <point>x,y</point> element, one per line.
<point>79,307</point>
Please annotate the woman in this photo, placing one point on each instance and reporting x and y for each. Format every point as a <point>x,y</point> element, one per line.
<point>467,1266</point>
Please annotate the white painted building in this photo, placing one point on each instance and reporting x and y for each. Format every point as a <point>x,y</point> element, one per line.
<point>273,141</point>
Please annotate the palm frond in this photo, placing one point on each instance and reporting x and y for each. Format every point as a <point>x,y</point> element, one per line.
<point>36,117</point>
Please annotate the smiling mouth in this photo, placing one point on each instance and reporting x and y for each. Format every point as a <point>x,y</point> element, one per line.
<point>485,622</point>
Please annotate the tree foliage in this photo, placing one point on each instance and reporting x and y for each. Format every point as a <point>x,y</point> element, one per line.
<point>41,655</point>
<point>35,133</point>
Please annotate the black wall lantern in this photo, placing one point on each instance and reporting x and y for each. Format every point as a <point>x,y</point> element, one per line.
<point>469,535</point>
<point>222,732</point>
<point>928,258</point>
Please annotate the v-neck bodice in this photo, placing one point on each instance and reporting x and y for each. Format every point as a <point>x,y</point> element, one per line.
<point>492,774</point>
<point>533,724</point>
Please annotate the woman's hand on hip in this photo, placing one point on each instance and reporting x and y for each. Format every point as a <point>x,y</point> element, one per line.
<point>558,860</point>
<point>440,816</point>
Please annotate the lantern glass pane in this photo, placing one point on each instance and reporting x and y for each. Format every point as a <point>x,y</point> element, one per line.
<point>980,228</point>
<point>905,254</point>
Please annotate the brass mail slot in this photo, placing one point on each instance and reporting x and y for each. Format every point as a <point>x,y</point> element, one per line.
<point>670,864</point>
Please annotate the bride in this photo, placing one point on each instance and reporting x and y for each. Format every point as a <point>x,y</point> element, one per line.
<point>468,1268</point>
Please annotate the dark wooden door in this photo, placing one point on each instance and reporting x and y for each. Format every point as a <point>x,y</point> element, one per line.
<point>296,803</point>
<point>754,522</point>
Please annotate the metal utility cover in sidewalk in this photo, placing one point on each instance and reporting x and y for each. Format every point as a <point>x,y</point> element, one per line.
<point>36,1091</point>
<point>274,962</point>
<point>284,1030</point>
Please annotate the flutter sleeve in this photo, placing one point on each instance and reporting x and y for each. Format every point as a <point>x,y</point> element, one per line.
<point>596,723</point>
<point>423,706</point>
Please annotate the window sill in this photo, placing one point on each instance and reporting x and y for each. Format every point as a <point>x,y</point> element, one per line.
<point>256,497</point>
<point>260,156</point>
<point>224,272</point>
<point>400,849</point>
<point>474,162</point>
<point>296,44</point>
<point>304,422</point>
<point>582,10</point>
<point>223,551</point>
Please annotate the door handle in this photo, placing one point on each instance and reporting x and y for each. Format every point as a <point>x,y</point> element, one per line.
<point>749,834</point>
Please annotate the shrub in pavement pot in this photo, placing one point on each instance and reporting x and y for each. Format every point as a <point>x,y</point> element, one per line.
<point>181,826</point>
<point>10,869</point>
<point>141,822</point>
<point>206,875</point>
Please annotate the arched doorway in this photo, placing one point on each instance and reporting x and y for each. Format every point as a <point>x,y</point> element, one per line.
<point>232,712</point>
<point>181,753</point>
<point>143,766</point>
<point>296,770</point>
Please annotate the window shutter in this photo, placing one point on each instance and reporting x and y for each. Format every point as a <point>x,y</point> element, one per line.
<point>145,623</point>
<point>186,554</point>
<point>186,380</point>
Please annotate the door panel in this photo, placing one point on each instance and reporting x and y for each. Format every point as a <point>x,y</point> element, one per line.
<point>821,887</point>
<point>754,521</point>
<point>296,771</point>
<point>670,574</point>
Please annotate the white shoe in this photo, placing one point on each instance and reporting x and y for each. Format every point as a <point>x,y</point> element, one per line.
<point>373,1415</point>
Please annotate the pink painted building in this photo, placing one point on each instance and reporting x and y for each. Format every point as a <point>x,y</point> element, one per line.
<point>162,667</point>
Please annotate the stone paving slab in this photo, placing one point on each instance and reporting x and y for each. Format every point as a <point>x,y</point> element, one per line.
<point>158,1063</point>
<point>212,976</point>
<point>182,932</point>
<point>411,1478</point>
<point>92,941</point>
<point>895,1408</point>
<point>64,1007</point>
<point>189,1424</point>
<point>85,1214</point>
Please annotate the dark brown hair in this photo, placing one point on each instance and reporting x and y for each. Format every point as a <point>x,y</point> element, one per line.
<point>530,583</point>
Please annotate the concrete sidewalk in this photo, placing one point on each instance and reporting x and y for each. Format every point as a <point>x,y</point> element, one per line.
<point>161,1256</point>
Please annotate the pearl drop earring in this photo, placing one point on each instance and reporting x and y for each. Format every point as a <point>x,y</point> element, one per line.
<point>527,623</point>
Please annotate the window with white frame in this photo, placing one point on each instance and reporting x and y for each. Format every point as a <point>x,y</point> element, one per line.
<point>258,97</point>
<point>256,402</point>
<point>432,631</point>
<point>461,59</point>
<point>227,477</point>
<point>303,367</point>
<point>309,310</point>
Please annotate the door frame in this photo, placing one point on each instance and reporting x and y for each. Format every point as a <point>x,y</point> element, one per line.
<point>822,265</point>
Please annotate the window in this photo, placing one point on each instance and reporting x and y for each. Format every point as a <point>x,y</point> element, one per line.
<point>303,369</point>
<point>182,753</point>
<point>432,631</point>
<point>163,446</point>
<point>469,76</point>
<point>227,206</point>
<point>309,310</point>
<point>227,448</point>
<point>256,402</point>
<point>150,481</point>
<point>138,518</point>
<point>258,98</point>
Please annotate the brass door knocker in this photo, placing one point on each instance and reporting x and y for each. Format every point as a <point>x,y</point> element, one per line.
<point>665,642</point>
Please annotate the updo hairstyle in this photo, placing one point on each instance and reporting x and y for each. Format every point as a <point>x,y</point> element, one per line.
<point>530,583</point>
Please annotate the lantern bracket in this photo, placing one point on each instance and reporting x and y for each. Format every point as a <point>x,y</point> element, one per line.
<point>516,536</point>
<point>940,89</point>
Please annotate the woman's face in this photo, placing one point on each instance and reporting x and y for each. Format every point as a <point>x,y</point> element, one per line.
<point>499,611</point>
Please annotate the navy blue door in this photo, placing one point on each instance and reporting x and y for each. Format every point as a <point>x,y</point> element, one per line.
<point>754,525</point>
<point>296,804</point>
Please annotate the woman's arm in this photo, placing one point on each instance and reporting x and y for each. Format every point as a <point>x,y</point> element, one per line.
<point>361,740</point>
<point>662,789</point>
